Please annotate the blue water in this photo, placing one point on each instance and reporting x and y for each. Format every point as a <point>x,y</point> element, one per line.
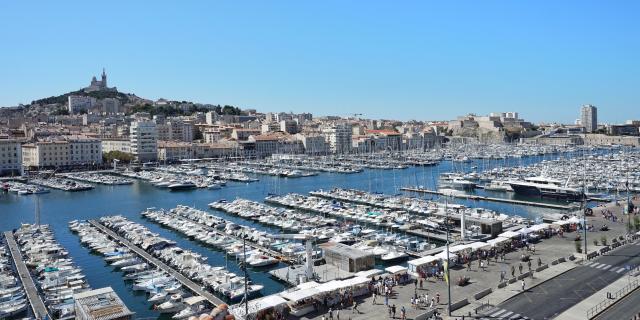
<point>57,208</point>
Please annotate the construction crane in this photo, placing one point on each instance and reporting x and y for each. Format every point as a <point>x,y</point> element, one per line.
<point>308,239</point>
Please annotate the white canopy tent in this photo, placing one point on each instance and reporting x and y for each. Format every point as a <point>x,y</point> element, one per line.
<point>479,245</point>
<point>538,227</point>
<point>298,295</point>
<point>509,234</point>
<point>396,269</point>
<point>498,241</point>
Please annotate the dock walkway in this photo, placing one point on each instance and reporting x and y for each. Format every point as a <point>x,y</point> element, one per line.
<point>38,307</point>
<point>483,198</point>
<point>145,255</point>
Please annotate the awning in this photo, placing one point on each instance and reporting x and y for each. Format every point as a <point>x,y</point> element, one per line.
<point>329,286</point>
<point>307,285</point>
<point>368,273</point>
<point>479,245</point>
<point>424,260</point>
<point>355,281</point>
<point>298,295</point>
<point>539,227</point>
<point>498,241</point>
<point>524,231</point>
<point>509,234</point>
<point>396,269</point>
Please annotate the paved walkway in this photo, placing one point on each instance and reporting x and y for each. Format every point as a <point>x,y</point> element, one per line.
<point>39,309</point>
<point>178,276</point>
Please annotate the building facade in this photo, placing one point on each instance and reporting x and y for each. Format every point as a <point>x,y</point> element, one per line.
<point>143,137</point>
<point>589,118</point>
<point>77,104</point>
<point>75,152</point>
<point>339,137</point>
<point>10,157</point>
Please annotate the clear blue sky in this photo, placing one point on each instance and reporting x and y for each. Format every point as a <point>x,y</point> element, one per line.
<point>393,59</point>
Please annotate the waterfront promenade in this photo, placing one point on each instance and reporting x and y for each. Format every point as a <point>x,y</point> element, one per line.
<point>145,255</point>
<point>38,307</point>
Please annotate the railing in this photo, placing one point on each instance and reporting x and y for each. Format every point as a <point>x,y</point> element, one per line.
<point>594,311</point>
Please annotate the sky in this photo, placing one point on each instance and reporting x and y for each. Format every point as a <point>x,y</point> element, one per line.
<point>422,60</point>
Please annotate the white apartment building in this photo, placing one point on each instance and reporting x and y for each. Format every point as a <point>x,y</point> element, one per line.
<point>10,157</point>
<point>80,103</point>
<point>144,140</point>
<point>122,145</point>
<point>313,144</point>
<point>62,153</point>
<point>339,137</point>
<point>211,117</point>
<point>589,118</point>
<point>110,105</point>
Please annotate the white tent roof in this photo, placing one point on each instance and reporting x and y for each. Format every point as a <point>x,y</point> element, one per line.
<point>443,255</point>
<point>459,247</point>
<point>299,294</point>
<point>355,281</point>
<point>539,227</point>
<point>368,273</point>
<point>307,285</point>
<point>561,222</point>
<point>498,240</point>
<point>423,260</point>
<point>524,231</point>
<point>396,269</point>
<point>573,219</point>
<point>329,286</point>
<point>478,245</point>
<point>509,234</point>
<point>257,305</point>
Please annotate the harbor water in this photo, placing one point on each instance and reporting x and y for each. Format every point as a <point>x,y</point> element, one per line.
<point>57,208</point>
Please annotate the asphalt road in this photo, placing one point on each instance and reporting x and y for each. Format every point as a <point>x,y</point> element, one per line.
<point>554,296</point>
<point>624,309</point>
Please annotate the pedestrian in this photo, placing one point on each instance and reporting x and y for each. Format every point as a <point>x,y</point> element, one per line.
<point>529,265</point>
<point>539,261</point>
<point>415,283</point>
<point>330,314</point>
<point>386,299</point>
<point>374,298</point>
<point>513,271</point>
<point>520,267</point>
<point>389,308</point>
<point>403,313</point>
<point>432,303</point>
<point>482,265</point>
<point>338,314</point>
<point>420,283</point>
<point>393,311</point>
<point>501,276</point>
<point>355,307</point>
<point>437,297</point>
<point>522,285</point>
<point>469,266</point>
<point>534,249</point>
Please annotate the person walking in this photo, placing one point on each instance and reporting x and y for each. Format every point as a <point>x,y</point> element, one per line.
<point>374,298</point>
<point>522,285</point>
<point>437,297</point>
<point>482,265</point>
<point>529,265</point>
<point>386,299</point>
<point>403,313</point>
<point>539,262</point>
<point>421,283</point>
<point>355,307</point>
<point>330,314</point>
<point>338,314</point>
<point>520,267</point>
<point>513,271</point>
<point>393,311</point>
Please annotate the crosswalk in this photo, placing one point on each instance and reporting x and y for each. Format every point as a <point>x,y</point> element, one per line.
<point>604,267</point>
<point>498,313</point>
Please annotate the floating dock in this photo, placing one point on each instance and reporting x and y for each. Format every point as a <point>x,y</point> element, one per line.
<point>37,305</point>
<point>161,265</point>
<point>483,198</point>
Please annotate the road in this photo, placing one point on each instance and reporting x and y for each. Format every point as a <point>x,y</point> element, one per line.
<point>554,296</point>
<point>624,309</point>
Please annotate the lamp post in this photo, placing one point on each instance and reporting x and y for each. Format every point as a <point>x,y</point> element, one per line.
<point>448,261</point>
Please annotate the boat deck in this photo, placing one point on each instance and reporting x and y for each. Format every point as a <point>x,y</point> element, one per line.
<point>37,305</point>
<point>145,255</point>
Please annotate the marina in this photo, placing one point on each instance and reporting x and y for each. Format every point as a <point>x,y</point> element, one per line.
<point>35,301</point>
<point>394,225</point>
<point>159,264</point>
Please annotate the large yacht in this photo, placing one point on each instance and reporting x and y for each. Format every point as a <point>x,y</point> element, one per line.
<point>545,187</point>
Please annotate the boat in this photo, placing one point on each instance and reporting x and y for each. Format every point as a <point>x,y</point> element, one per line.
<point>184,185</point>
<point>545,187</point>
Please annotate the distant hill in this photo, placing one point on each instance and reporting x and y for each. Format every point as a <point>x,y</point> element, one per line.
<point>62,99</point>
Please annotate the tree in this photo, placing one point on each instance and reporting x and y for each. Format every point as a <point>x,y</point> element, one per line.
<point>123,157</point>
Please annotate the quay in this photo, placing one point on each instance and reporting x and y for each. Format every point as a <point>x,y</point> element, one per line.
<point>37,305</point>
<point>145,255</point>
<point>483,198</point>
